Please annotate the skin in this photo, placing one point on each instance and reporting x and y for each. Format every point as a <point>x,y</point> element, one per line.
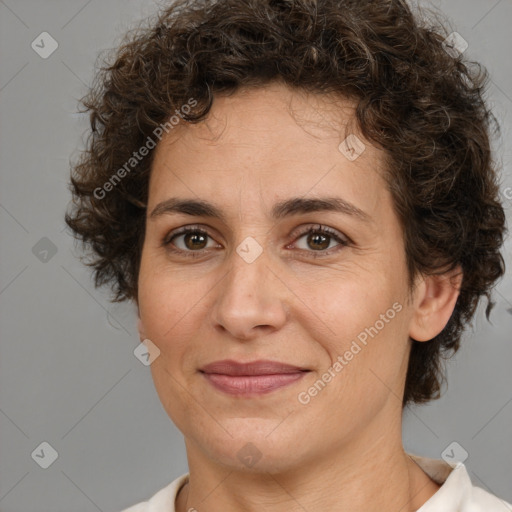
<point>342,450</point>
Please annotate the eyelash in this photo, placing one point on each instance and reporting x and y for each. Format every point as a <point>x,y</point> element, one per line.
<point>315,254</point>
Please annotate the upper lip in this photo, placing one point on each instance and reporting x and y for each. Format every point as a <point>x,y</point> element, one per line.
<point>260,367</point>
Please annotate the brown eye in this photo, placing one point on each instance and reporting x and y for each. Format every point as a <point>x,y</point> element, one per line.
<point>318,241</point>
<point>188,241</point>
<point>195,240</point>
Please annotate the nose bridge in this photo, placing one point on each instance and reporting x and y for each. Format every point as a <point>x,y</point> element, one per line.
<point>248,297</point>
<point>249,265</point>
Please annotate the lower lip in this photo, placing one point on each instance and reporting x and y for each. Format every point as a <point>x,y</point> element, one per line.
<point>244,385</point>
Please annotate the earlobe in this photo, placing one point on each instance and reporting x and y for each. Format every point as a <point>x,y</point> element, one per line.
<point>434,304</point>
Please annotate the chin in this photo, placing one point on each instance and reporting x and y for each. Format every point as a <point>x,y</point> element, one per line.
<point>254,447</point>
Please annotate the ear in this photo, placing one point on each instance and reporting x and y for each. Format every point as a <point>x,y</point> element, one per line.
<point>434,301</point>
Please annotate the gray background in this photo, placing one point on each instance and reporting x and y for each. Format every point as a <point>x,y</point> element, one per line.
<point>68,373</point>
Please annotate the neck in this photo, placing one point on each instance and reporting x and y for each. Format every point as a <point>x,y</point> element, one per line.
<point>370,473</point>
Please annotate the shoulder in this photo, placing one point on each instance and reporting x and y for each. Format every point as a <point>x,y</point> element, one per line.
<point>457,492</point>
<point>481,500</point>
<point>163,500</point>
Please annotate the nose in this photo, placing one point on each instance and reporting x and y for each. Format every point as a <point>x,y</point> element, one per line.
<point>251,299</point>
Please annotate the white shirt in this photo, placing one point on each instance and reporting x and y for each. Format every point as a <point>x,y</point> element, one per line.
<point>456,494</point>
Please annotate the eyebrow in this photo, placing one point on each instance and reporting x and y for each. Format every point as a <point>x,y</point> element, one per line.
<point>287,208</point>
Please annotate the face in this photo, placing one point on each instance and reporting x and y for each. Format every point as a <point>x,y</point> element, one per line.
<point>267,273</point>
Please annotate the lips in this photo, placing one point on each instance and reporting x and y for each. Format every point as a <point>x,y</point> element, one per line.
<point>261,367</point>
<point>251,379</point>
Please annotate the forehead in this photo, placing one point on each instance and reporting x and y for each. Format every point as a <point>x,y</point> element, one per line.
<point>268,141</point>
<point>261,111</point>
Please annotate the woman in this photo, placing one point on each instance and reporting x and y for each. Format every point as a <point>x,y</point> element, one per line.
<point>300,198</point>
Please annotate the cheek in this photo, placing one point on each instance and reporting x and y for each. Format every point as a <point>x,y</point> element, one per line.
<point>354,309</point>
<point>163,300</point>
<point>367,330</point>
<point>169,311</point>
<point>172,311</point>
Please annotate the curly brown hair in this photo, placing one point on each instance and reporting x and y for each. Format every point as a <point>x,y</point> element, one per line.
<point>416,98</point>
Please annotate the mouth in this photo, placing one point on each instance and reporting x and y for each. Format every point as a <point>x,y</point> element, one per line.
<point>253,378</point>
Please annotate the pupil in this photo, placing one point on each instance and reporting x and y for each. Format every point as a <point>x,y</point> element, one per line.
<point>315,238</point>
<point>193,238</point>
